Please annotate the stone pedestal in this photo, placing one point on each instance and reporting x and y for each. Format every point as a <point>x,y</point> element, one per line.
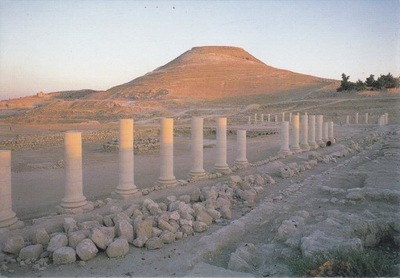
<point>167,177</point>
<point>356,119</point>
<point>294,138</point>
<point>366,118</point>
<point>221,165</point>
<point>347,119</point>
<point>126,186</point>
<point>284,136</point>
<point>73,197</point>
<point>331,136</point>
<point>311,131</point>
<point>304,133</point>
<point>241,158</point>
<point>197,148</point>
<point>319,130</point>
<point>7,215</point>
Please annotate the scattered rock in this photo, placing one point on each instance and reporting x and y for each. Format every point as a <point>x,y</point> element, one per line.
<point>64,255</point>
<point>154,243</point>
<point>56,242</point>
<point>31,252</point>
<point>102,236</point>
<point>40,236</point>
<point>86,249</point>
<point>13,245</point>
<point>124,230</point>
<point>118,248</point>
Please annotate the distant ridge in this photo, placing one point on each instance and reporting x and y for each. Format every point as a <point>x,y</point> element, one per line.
<point>213,72</point>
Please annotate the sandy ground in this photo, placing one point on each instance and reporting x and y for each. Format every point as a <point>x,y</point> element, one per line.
<point>37,191</point>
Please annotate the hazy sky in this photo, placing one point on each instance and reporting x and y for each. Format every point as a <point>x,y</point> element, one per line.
<point>60,45</point>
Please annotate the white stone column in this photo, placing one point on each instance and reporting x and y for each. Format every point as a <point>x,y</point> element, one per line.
<point>304,133</point>
<point>356,119</point>
<point>325,132</point>
<point>197,148</point>
<point>126,186</point>
<point>221,165</point>
<point>276,118</point>
<point>283,116</point>
<point>7,215</point>
<point>319,130</point>
<point>290,117</point>
<point>167,177</point>
<point>262,118</point>
<point>331,136</point>
<point>386,118</point>
<point>347,119</point>
<point>73,197</point>
<point>269,118</point>
<point>241,158</point>
<point>311,139</point>
<point>381,120</point>
<point>255,118</point>
<point>366,118</point>
<point>294,142</point>
<point>249,120</point>
<point>284,136</point>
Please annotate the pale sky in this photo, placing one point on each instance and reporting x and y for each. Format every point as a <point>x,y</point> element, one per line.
<point>56,45</point>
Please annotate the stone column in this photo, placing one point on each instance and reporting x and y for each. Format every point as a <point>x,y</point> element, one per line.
<point>347,119</point>
<point>249,120</point>
<point>126,186</point>
<point>276,118</point>
<point>304,133</point>
<point>283,116</point>
<point>7,215</point>
<point>331,137</point>
<point>284,136</point>
<point>221,165</point>
<point>262,118</point>
<point>356,119</point>
<point>381,120</point>
<point>197,148</point>
<point>167,177</point>
<point>294,142</point>
<point>311,139</point>
<point>366,118</point>
<point>290,117</point>
<point>241,158</point>
<point>269,117</point>
<point>325,133</point>
<point>255,118</point>
<point>73,197</point>
<point>319,129</point>
<point>386,118</point>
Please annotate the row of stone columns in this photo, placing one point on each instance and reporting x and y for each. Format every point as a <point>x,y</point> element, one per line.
<point>366,119</point>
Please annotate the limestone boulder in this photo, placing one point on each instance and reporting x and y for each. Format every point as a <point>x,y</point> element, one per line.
<point>124,230</point>
<point>174,215</point>
<point>88,225</point>
<point>108,221</point>
<point>185,198</point>
<point>75,237</point>
<point>64,255</point>
<point>121,216</point>
<point>187,229</point>
<point>70,225</point>
<point>102,236</point>
<point>139,242</point>
<point>118,248</point>
<point>144,229</point>
<point>290,228</point>
<point>13,245</point>
<point>40,236</point>
<point>31,252</point>
<point>156,232</point>
<point>195,196</point>
<point>246,258</point>
<point>226,212</point>
<point>56,242</point>
<point>215,214</point>
<point>203,216</point>
<point>166,226</point>
<point>199,227</point>
<point>86,250</point>
<point>154,243</point>
<point>167,237</point>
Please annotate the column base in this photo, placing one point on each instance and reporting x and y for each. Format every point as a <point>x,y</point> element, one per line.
<point>222,169</point>
<point>126,194</point>
<point>73,203</point>
<point>285,152</point>
<point>313,145</point>
<point>305,147</point>
<point>172,182</point>
<point>197,174</point>
<point>296,149</point>
<point>8,220</point>
<point>241,162</point>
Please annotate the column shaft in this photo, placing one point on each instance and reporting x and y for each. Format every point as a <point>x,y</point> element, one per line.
<point>221,164</point>
<point>331,136</point>
<point>241,158</point>
<point>197,147</point>
<point>347,119</point>
<point>319,130</point>
<point>73,197</point>
<point>366,118</point>
<point>294,143</point>
<point>356,119</point>
<point>167,153</point>
<point>311,139</point>
<point>304,133</point>
<point>284,136</point>
<point>7,215</point>
<point>126,186</point>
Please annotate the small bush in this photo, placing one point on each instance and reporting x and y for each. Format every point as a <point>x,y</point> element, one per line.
<point>354,263</point>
